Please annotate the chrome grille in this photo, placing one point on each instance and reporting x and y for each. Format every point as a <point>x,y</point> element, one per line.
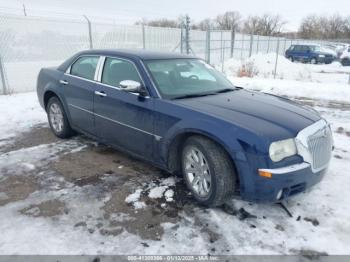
<point>320,146</point>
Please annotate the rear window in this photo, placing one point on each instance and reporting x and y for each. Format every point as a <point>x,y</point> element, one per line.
<point>85,67</point>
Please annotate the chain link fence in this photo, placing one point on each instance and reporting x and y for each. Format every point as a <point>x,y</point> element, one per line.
<point>29,43</point>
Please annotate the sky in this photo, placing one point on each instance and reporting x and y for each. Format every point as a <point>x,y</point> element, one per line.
<point>129,11</point>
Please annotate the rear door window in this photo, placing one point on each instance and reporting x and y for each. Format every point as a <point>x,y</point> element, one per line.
<point>297,48</point>
<point>85,67</point>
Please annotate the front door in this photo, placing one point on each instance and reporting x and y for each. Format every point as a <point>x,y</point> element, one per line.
<point>121,118</point>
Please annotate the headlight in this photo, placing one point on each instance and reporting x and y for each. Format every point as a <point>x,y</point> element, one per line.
<point>282,149</point>
<point>321,56</point>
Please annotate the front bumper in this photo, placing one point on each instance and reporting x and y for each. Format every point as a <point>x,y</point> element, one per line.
<point>289,180</point>
<point>273,184</point>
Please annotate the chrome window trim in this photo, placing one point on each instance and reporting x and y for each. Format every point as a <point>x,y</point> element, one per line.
<point>98,69</point>
<point>82,78</point>
<point>117,122</point>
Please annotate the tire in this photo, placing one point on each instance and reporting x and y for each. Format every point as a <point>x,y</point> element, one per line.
<point>219,183</point>
<point>313,61</point>
<point>291,59</point>
<point>345,62</point>
<point>57,118</point>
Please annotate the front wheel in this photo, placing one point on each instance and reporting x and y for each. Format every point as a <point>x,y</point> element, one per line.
<point>313,61</point>
<point>58,119</point>
<point>208,171</point>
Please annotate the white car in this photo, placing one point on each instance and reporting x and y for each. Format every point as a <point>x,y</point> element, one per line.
<point>345,57</point>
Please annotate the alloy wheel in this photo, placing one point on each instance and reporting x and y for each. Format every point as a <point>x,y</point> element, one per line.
<point>56,117</point>
<point>197,171</point>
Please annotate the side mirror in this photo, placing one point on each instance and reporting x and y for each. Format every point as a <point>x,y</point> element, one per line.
<point>132,86</point>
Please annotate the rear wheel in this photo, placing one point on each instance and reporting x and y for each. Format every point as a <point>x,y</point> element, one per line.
<point>345,61</point>
<point>208,171</point>
<point>58,119</point>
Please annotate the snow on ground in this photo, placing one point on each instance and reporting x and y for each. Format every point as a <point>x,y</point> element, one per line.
<point>263,66</point>
<point>88,218</point>
<point>321,82</point>
<point>19,113</point>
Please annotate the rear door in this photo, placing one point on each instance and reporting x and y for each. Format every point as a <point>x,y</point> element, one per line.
<point>122,118</point>
<point>79,85</point>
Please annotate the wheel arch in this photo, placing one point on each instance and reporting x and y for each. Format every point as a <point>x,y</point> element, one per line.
<point>47,95</point>
<point>176,145</point>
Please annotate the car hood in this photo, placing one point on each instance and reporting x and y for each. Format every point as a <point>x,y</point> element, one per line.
<point>263,114</point>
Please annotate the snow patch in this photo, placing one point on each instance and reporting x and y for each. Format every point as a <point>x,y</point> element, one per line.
<point>134,199</point>
<point>157,192</point>
<point>169,194</point>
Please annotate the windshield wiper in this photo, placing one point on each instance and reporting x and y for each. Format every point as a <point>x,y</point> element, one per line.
<point>225,90</point>
<point>193,95</point>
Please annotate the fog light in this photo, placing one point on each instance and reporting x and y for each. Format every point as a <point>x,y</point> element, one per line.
<point>279,194</point>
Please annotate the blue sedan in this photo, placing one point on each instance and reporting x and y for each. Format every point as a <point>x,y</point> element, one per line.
<point>183,116</point>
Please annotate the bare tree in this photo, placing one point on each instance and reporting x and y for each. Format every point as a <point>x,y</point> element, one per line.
<point>310,27</point>
<point>347,27</point>
<point>271,24</point>
<point>251,25</point>
<point>229,20</point>
<point>205,24</point>
<point>324,27</point>
<point>266,24</point>
<point>162,22</point>
<point>335,26</point>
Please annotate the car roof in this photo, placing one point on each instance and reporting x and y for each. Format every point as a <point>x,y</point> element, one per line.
<point>136,53</point>
<point>307,44</point>
<point>132,54</point>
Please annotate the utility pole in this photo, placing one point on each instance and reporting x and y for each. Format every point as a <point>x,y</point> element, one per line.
<point>187,34</point>
<point>24,10</point>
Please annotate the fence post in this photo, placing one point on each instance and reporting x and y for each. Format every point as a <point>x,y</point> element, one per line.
<point>3,78</point>
<point>182,39</point>
<point>251,45</point>
<point>223,57</point>
<point>242,46</point>
<point>90,31</point>
<point>187,34</point>
<point>277,54</point>
<point>221,46</point>
<point>257,44</point>
<point>208,46</point>
<point>143,37</point>
<point>233,36</point>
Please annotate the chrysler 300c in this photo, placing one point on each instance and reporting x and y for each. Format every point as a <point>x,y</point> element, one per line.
<point>183,116</point>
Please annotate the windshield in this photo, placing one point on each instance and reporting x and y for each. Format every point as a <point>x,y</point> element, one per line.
<point>180,78</point>
<point>315,48</point>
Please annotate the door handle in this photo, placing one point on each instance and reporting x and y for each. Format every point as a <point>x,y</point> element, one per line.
<point>102,94</point>
<point>63,82</point>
